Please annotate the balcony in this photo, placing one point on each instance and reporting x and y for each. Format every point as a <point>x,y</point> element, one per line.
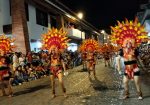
<point>75,33</point>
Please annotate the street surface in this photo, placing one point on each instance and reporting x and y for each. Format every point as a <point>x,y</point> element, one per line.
<point>106,90</point>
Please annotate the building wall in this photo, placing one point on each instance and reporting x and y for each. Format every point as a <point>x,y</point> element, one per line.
<point>6,12</point>
<point>34,29</point>
<point>19,26</point>
<point>5,17</point>
<point>1,18</point>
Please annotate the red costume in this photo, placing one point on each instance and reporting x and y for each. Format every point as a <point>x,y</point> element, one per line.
<point>3,67</point>
<point>90,47</point>
<point>5,47</point>
<point>129,35</point>
<point>52,40</point>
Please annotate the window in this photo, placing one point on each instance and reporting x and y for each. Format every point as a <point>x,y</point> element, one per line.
<point>27,11</point>
<point>7,29</point>
<point>53,22</point>
<point>41,18</point>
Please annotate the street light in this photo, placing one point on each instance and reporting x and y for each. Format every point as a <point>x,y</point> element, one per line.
<point>80,15</point>
<point>103,33</point>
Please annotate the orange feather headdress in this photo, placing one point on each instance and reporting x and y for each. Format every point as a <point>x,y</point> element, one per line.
<point>108,48</point>
<point>6,43</point>
<point>128,31</point>
<point>89,45</point>
<point>55,38</point>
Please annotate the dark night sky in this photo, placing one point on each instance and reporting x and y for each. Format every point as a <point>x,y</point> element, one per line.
<point>104,13</point>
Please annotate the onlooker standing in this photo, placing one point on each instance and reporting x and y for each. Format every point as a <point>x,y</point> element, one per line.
<point>22,60</point>
<point>15,61</point>
<point>29,57</point>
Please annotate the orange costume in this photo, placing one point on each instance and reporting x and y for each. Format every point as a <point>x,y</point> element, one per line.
<point>107,50</point>
<point>5,47</point>
<point>52,40</point>
<point>90,46</point>
<point>129,35</point>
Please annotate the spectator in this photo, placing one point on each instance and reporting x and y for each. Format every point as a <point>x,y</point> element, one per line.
<point>15,61</point>
<point>22,60</point>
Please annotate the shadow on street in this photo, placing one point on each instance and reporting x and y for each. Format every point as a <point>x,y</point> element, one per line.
<point>32,89</point>
<point>98,85</point>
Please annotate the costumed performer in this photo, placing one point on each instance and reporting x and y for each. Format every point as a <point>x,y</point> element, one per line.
<point>129,35</point>
<point>89,48</point>
<point>5,72</point>
<point>55,41</point>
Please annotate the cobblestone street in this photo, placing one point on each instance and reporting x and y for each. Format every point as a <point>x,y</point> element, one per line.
<point>81,91</point>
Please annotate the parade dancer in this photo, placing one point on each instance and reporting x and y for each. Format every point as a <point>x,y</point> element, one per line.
<point>55,41</point>
<point>90,46</point>
<point>83,57</point>
<point>129,35</point>
<point>106,54</point>
<point>5,73</point>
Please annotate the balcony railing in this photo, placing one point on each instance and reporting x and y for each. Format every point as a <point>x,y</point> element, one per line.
<point>75,33</point>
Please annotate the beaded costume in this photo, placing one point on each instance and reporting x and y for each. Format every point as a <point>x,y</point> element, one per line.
<point>129,35</point>
<point>89,48</point>
<point>5,47</point>
<point>55,39</point>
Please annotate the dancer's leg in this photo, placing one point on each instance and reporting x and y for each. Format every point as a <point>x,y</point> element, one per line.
<point>126,87</point>
<point>138,86</point>
<point>52,79</point>
<point>60,78</point>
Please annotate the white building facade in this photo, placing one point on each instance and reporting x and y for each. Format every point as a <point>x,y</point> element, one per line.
<point>37,21</point>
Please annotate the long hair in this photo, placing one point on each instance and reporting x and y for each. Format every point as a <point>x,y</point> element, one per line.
<point>121,52</point>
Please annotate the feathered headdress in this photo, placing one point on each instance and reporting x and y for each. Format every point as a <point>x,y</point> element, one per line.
<point>128,31</point>
<point>109,48</point>
<point>89,44</point>
<point>6,43</point>
<point>55,38</point>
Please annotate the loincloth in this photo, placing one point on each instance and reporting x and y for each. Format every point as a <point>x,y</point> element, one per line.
<point>131,71</point>
<point>55,70</point>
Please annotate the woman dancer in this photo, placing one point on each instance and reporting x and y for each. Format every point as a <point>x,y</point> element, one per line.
<point>5,73</point>
<point>90,46</point>
<point>55,41</point>
<point>129,35</point>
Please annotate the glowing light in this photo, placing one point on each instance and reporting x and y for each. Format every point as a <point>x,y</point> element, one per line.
<point>11,43</point>
<point>73,18</point>
<point>80,15</point>
<point>39,44</point>
<point>103,31</point>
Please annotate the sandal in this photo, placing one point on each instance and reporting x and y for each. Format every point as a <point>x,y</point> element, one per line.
<point>53,95</point>
<point>64,90</point>
<point>11,95</point>
<point>126,95</point>
<point>140,95</point>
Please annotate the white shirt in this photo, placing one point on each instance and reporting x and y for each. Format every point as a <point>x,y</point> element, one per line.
<point>21,61</point>
<point>120,63</point>
<point>15,61</point>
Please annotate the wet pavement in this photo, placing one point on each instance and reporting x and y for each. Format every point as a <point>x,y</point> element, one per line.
<point>81,90</point>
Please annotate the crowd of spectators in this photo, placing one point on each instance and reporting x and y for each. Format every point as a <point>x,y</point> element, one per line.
<point>32,66</point>
<point>145,54</point>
